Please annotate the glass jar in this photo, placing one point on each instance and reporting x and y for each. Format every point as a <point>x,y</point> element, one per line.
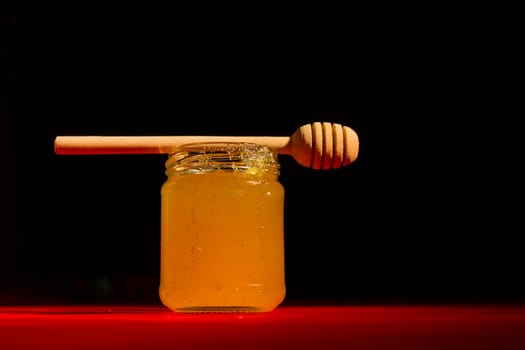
<point>222,229</point>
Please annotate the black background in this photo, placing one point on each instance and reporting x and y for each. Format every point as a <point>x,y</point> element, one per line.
<point>430,211</point>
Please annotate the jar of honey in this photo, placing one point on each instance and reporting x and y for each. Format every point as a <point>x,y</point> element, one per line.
<point>222,229</point>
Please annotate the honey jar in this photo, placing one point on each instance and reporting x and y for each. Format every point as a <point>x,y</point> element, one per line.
<point>222,229</point>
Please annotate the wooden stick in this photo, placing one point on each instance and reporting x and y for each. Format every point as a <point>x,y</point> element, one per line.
<point>319,145</point>
<point>155,144</point>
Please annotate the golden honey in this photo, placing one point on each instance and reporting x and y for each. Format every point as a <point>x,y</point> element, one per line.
<point>222,229</point>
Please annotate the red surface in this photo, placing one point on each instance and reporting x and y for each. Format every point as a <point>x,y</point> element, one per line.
<point>287,327</point>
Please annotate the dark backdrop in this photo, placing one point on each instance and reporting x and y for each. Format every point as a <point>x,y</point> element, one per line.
<point>430,211</point>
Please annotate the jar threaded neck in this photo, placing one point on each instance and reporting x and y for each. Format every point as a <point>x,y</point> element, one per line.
<point>239,157</point>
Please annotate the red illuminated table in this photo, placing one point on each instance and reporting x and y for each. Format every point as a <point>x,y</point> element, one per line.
<point>287,327</point>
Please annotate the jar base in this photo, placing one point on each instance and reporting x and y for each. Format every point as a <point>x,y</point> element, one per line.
<point>219,309</point>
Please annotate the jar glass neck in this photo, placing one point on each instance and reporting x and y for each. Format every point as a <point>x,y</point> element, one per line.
<point>198,158</point>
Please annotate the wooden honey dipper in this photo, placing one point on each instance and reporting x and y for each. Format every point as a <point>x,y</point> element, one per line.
<point>319,145</point>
